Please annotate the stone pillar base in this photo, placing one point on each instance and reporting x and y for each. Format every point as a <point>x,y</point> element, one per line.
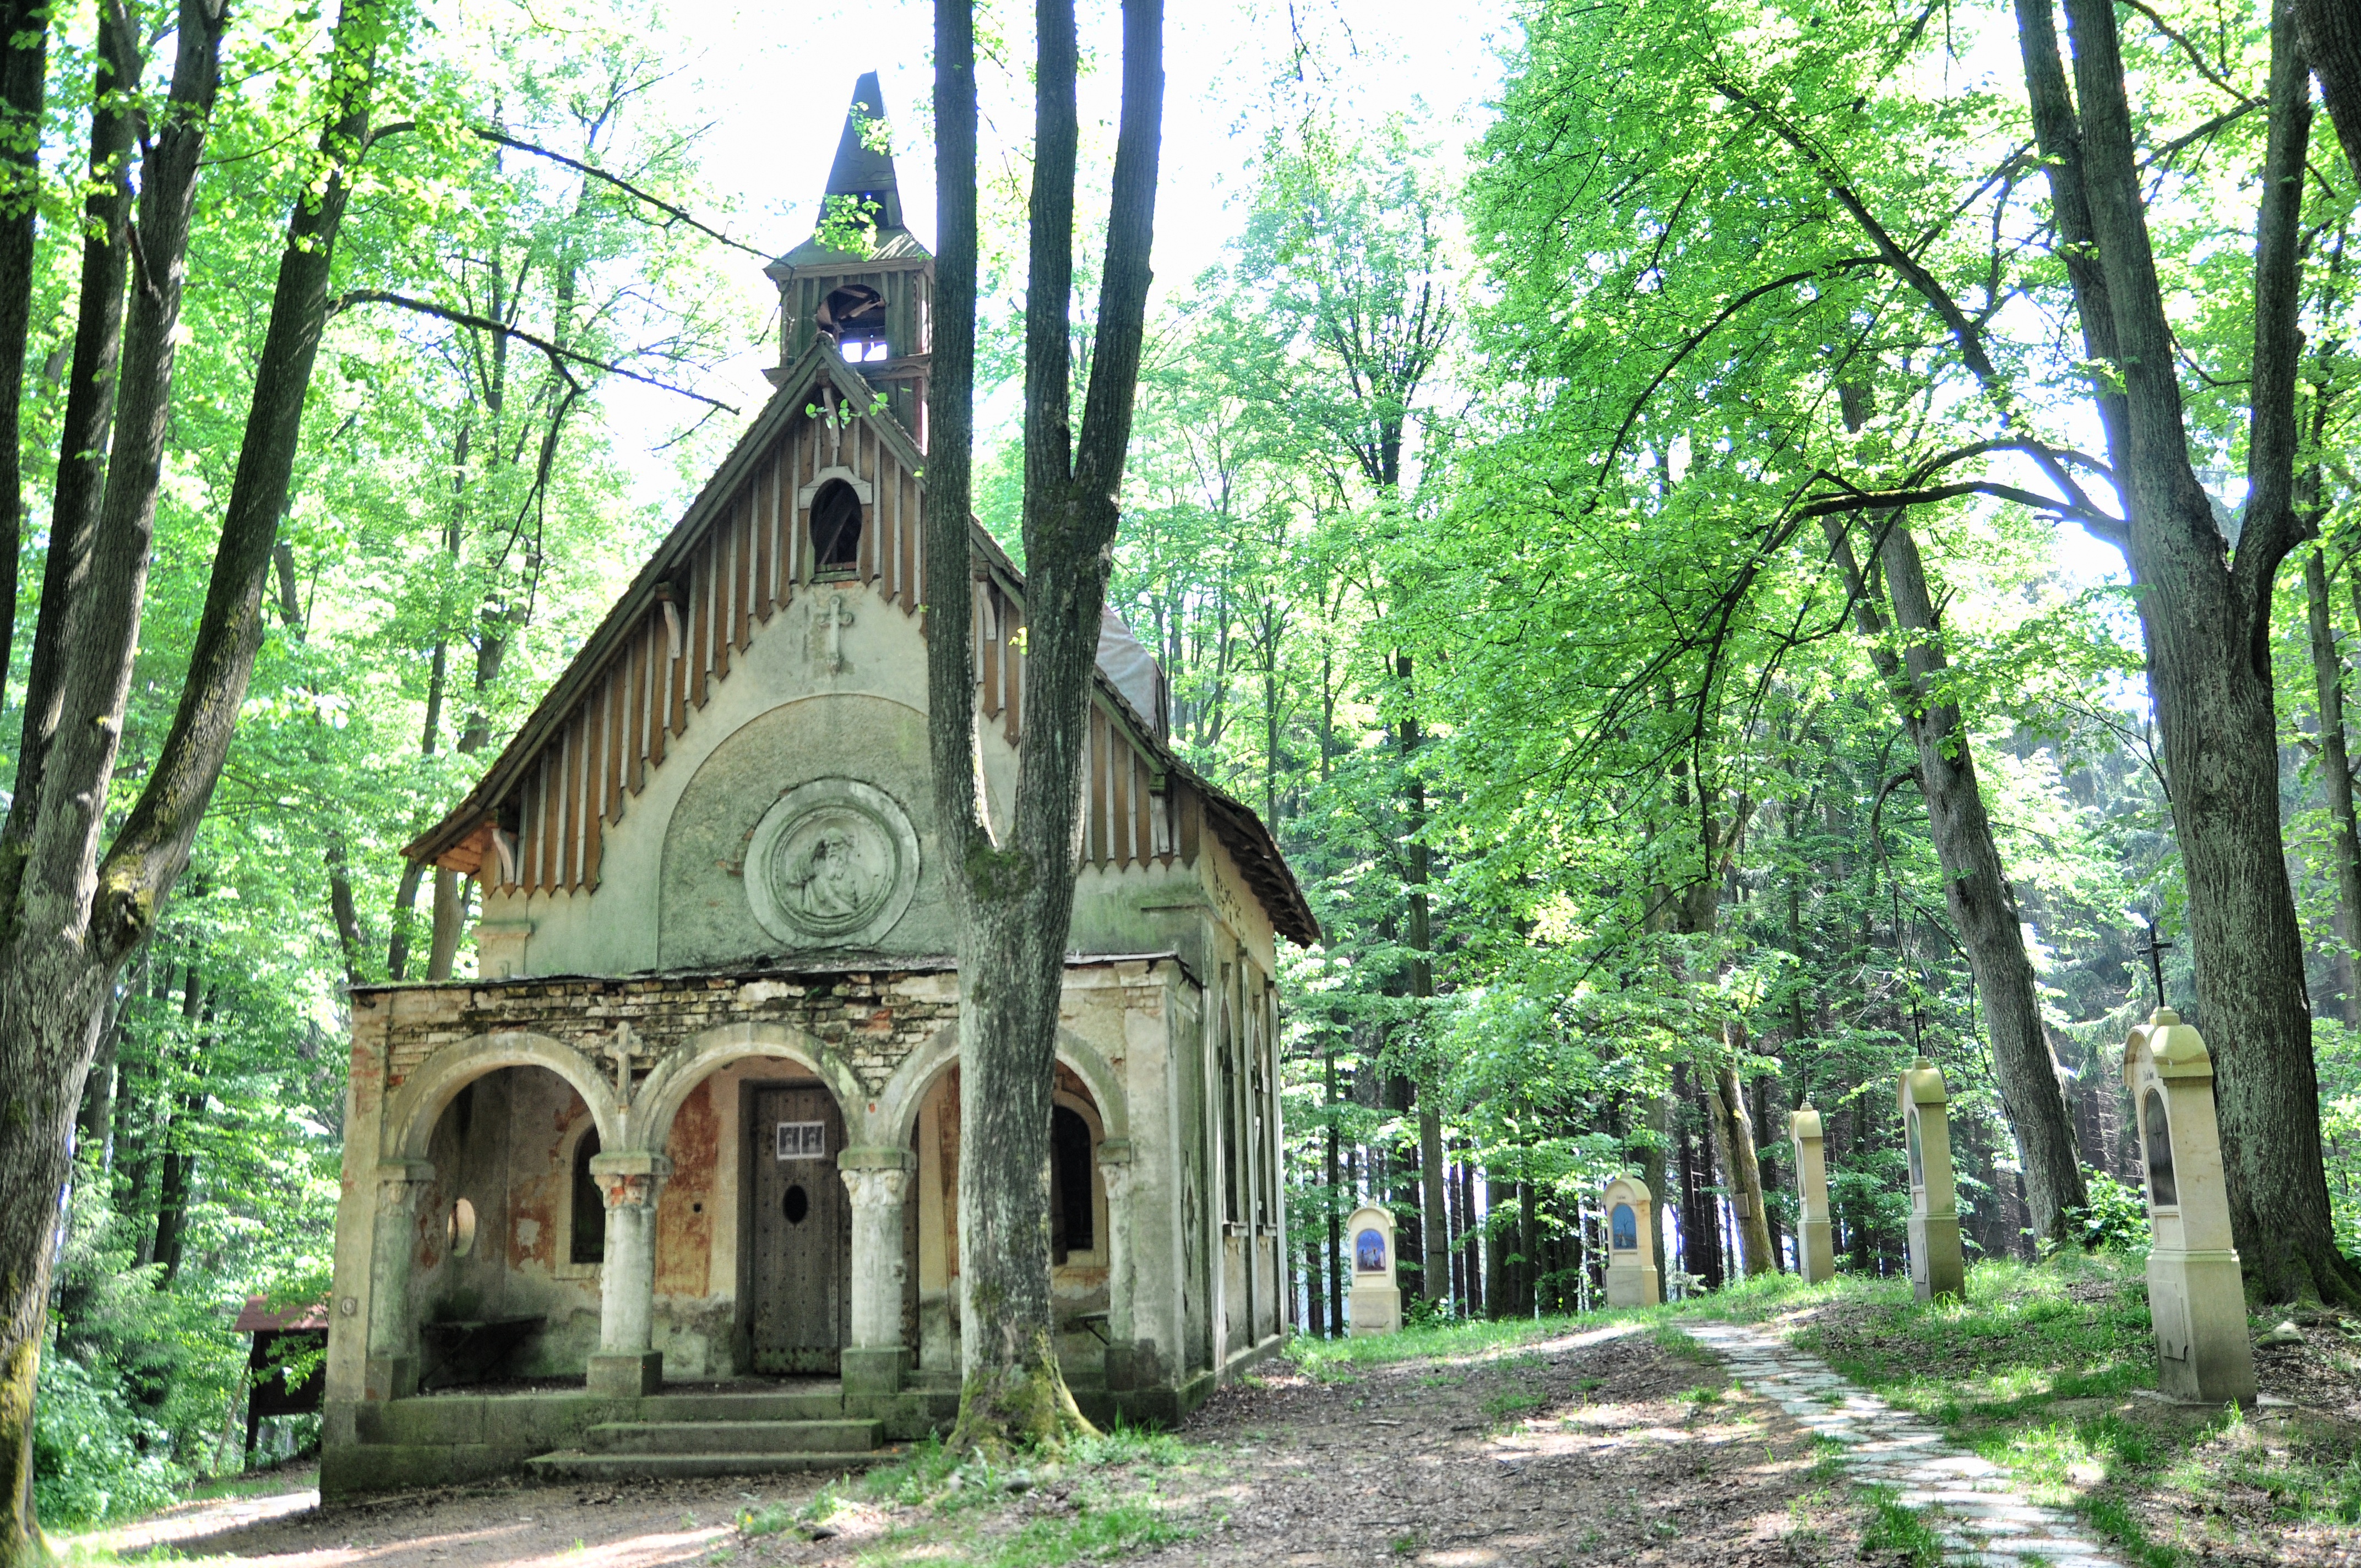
<point>390,1378</point>
<point>1936,1267</point>
<point>874,1369</point>
<point>627,1375</point>
<point>1816,1254</point>
<point>2198,1302</point>
<point>1628,1286</point>
<point>1375,1309</point>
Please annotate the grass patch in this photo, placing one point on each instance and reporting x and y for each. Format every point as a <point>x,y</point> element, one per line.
<point>2040,1370</point>
<point>1340,1360</point>
<point>1510,1405</point>
<point>1900,1530</point>
<point>1105,1531</point>
<point>1105,1490</point>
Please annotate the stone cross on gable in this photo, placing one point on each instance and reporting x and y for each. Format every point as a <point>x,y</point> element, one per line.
<point>626,1046</point>
<point>836,615</point>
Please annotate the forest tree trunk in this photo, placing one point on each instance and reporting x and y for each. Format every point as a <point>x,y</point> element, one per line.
<point>1975,889</point>
<point>1014,901</point>
<point>2207,623</point>
<point>68,919</point>
<point>2335,780</point>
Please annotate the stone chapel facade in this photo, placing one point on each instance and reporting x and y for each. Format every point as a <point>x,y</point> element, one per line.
<point>697,1121</point>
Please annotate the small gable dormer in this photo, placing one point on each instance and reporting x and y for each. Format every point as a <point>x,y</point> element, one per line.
<point>873,303</point>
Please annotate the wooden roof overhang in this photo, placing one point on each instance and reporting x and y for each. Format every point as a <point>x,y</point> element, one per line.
<point>464,838</point>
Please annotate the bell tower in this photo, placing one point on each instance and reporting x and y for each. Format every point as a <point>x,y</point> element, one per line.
<point>873,304</point>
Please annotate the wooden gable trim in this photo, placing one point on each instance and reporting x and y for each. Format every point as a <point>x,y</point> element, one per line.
<point>673,633</point>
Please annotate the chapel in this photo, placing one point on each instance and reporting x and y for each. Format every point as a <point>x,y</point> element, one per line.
<point>671,1185</point>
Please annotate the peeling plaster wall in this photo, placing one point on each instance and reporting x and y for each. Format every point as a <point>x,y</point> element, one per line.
<point>1136,1030</point>
<point>501,1146</point>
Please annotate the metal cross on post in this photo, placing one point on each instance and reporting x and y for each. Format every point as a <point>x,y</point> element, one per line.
<point>2153,947</point>
<point>625,1049</point>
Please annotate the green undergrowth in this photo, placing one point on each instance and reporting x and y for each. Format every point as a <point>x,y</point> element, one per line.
<point>2043,1369</point>
<point>1097,1498</point>
<point>1341,1360</point>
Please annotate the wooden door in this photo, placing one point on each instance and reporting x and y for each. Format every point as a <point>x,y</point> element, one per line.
<point>802,1258</point>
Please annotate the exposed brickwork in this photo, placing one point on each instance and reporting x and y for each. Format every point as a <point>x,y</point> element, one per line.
<point>873,1019</point>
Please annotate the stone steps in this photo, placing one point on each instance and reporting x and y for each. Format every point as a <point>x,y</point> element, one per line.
<point>732,1437</point>
<point>576,1464</point>
<point>681,1448</point>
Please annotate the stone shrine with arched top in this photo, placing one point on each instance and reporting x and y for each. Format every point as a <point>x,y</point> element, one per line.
<point>1631,1212</point>
<point>1376,1297</point>
<point>1937,1266</point>
<point>2196,1289</point>
<point>701,1097</point>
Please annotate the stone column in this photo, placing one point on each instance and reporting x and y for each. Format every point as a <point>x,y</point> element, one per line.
<point>1815,1258</point>
<point>1114,1174</point>
<point>879,1182</point>
<point>627,1365</point>
<point>392,1367</point>
<point>1937,1266</point>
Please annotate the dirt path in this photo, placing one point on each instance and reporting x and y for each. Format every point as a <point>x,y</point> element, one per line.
<point>1608,1446</point>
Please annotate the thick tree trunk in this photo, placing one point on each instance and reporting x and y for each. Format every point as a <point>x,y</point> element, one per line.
<point>1975,889</point>
<point>89,420</point>
<point>2332,43</point>
<point>1016,900</point>
<point>24,61</point>
<point>54,970</point>
<point>2335,780</point>
<point>70,920</point>
<point>2207,625</point>
<point>1336,1205</point>
<point>1733,1136</point>
<point>1435,1256</point>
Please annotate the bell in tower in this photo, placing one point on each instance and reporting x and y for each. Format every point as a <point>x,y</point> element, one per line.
<point>863,286</point>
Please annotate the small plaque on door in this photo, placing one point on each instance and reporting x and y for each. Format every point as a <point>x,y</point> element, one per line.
<point>803,1140</point>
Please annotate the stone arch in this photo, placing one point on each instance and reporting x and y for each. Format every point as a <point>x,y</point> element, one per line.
<point>669,1087</point>
<point>896,1105</point>
<point>419,1103</point>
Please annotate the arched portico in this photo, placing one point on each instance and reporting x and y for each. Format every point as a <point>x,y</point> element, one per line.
<point>410,1121</point>
<point>660,1098</point>
<point>897,1103</point>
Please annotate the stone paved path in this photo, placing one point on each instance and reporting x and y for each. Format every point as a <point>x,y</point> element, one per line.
<point>1983,1516</point>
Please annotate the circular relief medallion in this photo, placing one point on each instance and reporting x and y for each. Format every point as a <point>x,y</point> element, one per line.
<point>832,863</point>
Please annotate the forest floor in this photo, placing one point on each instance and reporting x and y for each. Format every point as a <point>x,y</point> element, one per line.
<point>1541,1444</point>
<point>1605,1438</point>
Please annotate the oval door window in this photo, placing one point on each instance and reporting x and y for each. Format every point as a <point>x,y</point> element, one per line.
<point>797,1204</point>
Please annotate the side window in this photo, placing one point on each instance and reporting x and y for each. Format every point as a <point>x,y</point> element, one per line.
<point>590,1240</point>
<point>1070,1219</point>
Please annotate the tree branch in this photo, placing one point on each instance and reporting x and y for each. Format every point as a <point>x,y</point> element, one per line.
<point>676,214</point>
<point>559,357</point>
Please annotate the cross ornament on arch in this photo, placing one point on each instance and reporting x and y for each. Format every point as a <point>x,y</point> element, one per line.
<point>627,1046</point>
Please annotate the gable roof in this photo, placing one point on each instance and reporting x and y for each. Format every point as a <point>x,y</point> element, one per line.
<point>604,723</point>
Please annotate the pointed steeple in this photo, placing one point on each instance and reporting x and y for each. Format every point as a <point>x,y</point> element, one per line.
<point>862,169</point>
<point>872,305</point>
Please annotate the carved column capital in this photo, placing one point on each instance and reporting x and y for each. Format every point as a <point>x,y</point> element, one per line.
<point>400,1183</point>
<point>1115,1168</point>
<point>874,1186</point>
<point>630,1179</point>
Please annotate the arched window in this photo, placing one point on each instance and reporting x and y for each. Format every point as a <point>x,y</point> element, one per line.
<point>590,1240</point>
<point>1070,1183</point>
<point>836,526</point>
<point>2162,1190</point>
<point>855,316</point>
